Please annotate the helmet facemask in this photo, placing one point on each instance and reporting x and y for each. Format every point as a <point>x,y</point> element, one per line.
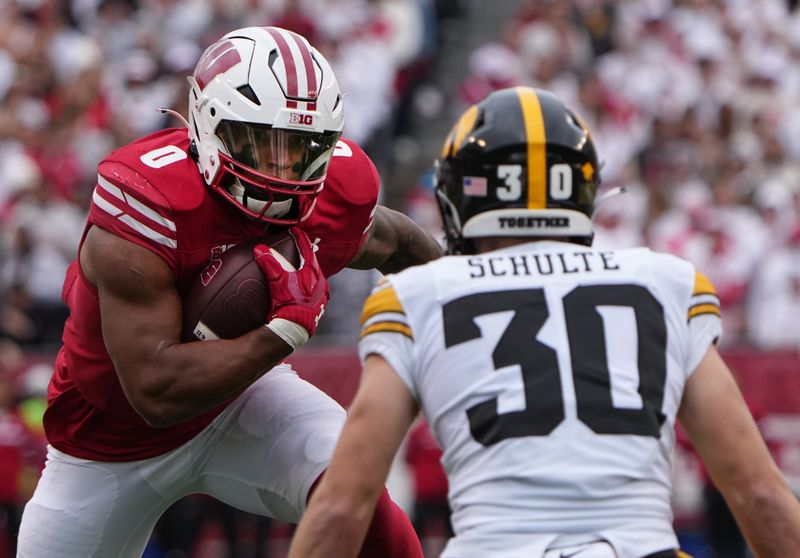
<point>272,174</point>
<point>451,222</point>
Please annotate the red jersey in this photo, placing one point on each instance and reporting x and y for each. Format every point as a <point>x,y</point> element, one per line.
<point>423,456</point>
<point>150,192</point>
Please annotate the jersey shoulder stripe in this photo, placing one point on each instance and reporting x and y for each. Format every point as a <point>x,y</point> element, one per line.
<point>704,298</point>
<point>702,285</point>
<point>128,197</point>
<point>136,214</point>
<point>383,312</point>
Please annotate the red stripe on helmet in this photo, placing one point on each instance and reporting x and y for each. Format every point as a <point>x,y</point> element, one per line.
<point>288,63</point>
<point>308,62</point>
<point>217,60</point>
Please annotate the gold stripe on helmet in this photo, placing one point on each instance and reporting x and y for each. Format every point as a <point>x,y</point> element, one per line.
<point>459,132</point>
<point>537,155</point>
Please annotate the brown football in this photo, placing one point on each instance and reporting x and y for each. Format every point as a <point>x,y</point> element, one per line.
<point>231,296</point>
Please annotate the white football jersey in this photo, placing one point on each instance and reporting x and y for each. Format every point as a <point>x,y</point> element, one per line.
<point>551,375</point>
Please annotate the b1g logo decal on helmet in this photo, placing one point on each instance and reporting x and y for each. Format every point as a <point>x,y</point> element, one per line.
<point>301,119</point>
<point>216,60</point>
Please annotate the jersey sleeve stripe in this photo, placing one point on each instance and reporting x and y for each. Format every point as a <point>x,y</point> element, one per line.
<point>113,201</point>
<point>386,317</point>
<point>392,327</point>
<point>139,227</point>
<point>383,312</point>
<point>135,204</point>
<point>700,309</point>
<point>148,232</point>
<point>705,298</point>
<point>702,285</point>
<point>109,208</point>
<point>383,299</point>
<point>387,321</point>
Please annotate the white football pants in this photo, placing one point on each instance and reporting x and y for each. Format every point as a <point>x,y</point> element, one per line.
<point>261,455</point>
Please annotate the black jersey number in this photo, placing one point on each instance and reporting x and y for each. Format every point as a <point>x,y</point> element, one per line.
<point>544,404</point>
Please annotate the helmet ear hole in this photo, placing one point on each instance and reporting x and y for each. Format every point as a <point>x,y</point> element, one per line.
<point>193,153</point>
<point>248,93</point>
<point>451,222</point>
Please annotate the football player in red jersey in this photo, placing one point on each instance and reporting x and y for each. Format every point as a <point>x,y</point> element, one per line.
<point>138,419</point>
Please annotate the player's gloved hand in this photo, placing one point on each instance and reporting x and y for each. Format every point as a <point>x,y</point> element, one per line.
<point>298,295</point>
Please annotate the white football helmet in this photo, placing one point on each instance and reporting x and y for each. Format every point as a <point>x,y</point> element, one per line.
<point>265,113</point>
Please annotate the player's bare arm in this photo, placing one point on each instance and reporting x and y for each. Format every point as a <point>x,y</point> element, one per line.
<point>165,380</point>
<point>722,430</point>
<point>340,510</point>
<point>394,243</point>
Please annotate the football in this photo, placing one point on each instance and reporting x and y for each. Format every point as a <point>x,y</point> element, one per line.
<point>231,295</point>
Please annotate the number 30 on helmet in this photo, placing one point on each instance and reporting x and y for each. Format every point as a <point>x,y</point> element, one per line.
<point>519,163</point>
<point>265,113</point>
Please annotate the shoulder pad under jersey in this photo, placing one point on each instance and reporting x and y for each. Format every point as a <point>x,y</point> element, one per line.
<point>142,186</point>
<point>352,178</point>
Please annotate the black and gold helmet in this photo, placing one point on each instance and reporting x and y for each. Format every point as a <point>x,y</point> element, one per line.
<point>519,163</point>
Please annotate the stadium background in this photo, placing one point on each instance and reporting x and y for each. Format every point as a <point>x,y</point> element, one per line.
<point>695,108</point>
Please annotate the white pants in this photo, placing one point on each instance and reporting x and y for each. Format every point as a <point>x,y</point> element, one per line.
<point>598,549</point>
<point>261,455</point>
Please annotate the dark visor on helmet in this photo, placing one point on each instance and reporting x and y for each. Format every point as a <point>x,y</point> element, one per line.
<point>285,154</point>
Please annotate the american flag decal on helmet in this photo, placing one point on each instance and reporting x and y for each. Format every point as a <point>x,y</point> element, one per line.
<point>217,59</point>
<point>298,67</point>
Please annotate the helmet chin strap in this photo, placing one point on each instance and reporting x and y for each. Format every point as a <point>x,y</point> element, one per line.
<point>612,193</point>
<point>277,209</point>
<point>315,165</point>
<point>177,115</point>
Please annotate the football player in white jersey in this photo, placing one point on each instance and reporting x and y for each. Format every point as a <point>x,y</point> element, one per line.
<point>551,373</point>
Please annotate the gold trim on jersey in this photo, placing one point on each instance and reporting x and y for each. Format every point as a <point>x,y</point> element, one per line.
<point>537,155</point>
<point>703,285</point>
<point>383,312</point>
<point>704,298</point>
<point>390,327</point>
<point>700,309</point>
<point>383,299</point>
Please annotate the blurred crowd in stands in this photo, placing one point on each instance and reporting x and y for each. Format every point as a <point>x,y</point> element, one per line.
<point>694,104</point>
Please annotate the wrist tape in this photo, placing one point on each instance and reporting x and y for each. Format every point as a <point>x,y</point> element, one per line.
<point>292,334</point>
